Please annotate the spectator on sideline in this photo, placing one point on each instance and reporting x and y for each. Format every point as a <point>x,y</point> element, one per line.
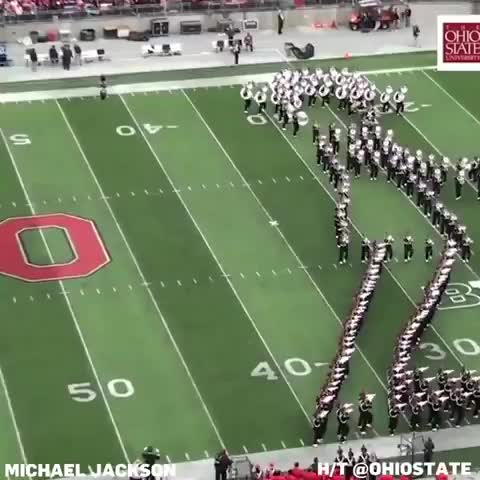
<point>236,52</point>
<point>416,35</point>
<point>78,54</point>
<point>428,448</point>
<point>53,54</point>
<point>408,15</point>
<point>33,59</point>
<point>248,42</point>
<point>222,465</point>
<point>281,21</point>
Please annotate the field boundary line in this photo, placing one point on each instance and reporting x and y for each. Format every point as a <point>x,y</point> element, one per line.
<point>69,305</point>
<point>142,276</point>
<point>217,261</point>
<point>12,416</point>
<point>394,278</point>
<point>168,85</point>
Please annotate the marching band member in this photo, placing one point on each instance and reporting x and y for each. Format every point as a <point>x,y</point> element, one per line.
<point>296,125</point>
<point>459,181</point>
<point>341,93</point>
<point>365,249</point>
<point>343,249</point>
<point>385,98</point>
<point>324,92</point>
<point>261,99</point>
<point>466,249</point>
<point>315,133</point>
<point>407,248</point>
<point>428,249</point>
<point>343,417</point>
<point>399,99</point>
<point>247,95</point>
<point>369,96</point>
<point>389,247</point>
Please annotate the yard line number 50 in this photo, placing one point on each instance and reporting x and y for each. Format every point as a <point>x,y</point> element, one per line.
<point>85,392</point>
<point>464,346</point>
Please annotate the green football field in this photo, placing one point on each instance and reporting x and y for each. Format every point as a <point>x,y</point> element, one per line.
<point>186,289</point>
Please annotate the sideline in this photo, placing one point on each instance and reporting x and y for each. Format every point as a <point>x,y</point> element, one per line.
<point>134,88</point>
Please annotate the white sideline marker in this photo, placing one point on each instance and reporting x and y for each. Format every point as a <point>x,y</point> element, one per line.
<point>302,443</point>
<point>264,448</point>
<point>283,444</point>
<point>245,449</point>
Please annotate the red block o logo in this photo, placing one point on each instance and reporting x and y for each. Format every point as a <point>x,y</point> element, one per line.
<point>85,241</point>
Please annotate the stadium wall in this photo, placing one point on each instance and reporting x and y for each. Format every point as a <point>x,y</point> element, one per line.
<point>422,15</point>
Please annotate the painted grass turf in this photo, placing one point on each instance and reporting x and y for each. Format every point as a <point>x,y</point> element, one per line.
<point>186,216</point>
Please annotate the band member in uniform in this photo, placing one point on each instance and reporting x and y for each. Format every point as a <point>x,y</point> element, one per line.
<point>247,95</point>
<point>428,249</point>
<point>393,413</point>
<point>476,399</point>
<point>415,414</point>
<point>459,181</point>
<point>324,92</point>
<point>442,378</point>
<point>342,95</point>
<point>365,414</point>
<point>336,141</point>
<point>466,250</point>
<point>435,417</point>
<point>407,248</point>
<point>385,99</point>
<point>331,132</point>
<point>343,427</point>
<point>296,125</point>
<point>261,100</point>
<point>343,249</point>
<point>319,427</point>
<point>399,99</point>
<point>389,247</point>
<point>315,133</point>
<point>459,410</point>
<point>365,250</point>
<point>374,165</point>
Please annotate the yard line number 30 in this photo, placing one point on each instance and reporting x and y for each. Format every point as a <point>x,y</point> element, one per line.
<point>464,346</point>
<point>85,392</point>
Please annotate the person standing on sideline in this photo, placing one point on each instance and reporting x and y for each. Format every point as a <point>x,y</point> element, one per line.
<point>408,16</point>
<point>33,59</point>
<point>428,448</point>
<point>78,54</point>
<point>416,35</point>
<point>222,465</point>
<point>281,21</point>
<point>236,52</point>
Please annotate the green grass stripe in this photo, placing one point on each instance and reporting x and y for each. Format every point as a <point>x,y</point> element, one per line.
<point>211,329</point>
<point>37,339</point>
<point>58,241</point>
<point>401,60</point>
<point>116,314</point>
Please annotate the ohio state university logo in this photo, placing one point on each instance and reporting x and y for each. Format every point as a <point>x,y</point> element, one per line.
<point>458,46</point>
<point>89,252</point>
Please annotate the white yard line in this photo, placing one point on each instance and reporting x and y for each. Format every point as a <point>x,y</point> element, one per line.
<point>142,276</point>
<point>69,305</point>
<point>452,352</point>
<point>12,416</point>
<point>166,86</point>
<point>240,301</point>
<point>449,95</point>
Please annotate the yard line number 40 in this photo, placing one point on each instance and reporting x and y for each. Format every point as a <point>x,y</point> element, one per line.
<point>85,392</point>
<point>464,346</point>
